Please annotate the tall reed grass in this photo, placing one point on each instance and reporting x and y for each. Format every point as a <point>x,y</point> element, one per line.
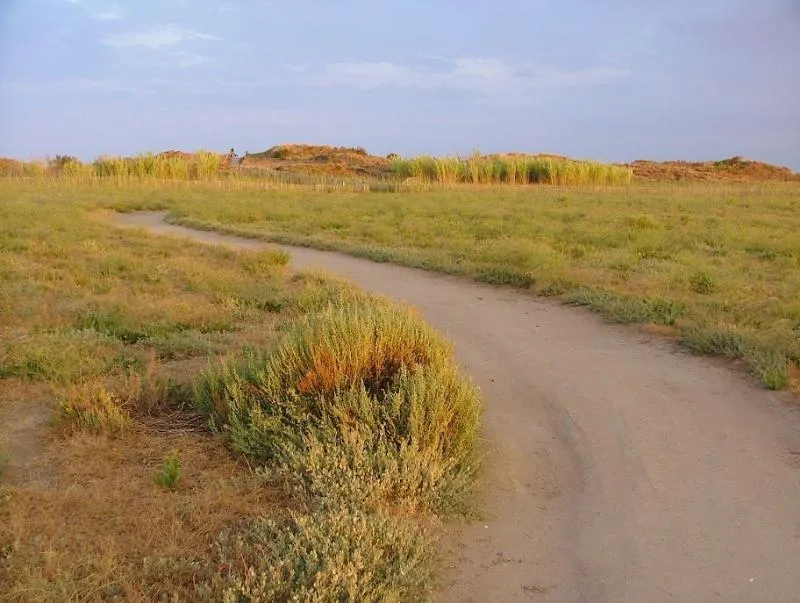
<point>510,169</point>
<point>423,171</point>
<point>198,166</point>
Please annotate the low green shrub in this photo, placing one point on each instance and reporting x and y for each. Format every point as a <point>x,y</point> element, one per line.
<point>326,556</point>
<point>362,415</point>
<point>360,403</point>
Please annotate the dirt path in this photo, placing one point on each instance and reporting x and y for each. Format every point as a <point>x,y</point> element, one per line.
<point>620,468</point>
<point>25,411</point>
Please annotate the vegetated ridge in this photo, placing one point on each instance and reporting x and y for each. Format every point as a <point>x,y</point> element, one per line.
<point>356,162</point>
<point>292,158</point>
<point>734,169</point>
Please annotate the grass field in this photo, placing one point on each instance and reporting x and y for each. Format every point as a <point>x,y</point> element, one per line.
<point>176,422</point>
<point>715,266</point>
<point>246,477</point>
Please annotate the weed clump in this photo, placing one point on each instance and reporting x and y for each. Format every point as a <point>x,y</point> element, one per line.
<point>506,276</point>
<point>702,283</point>
<point>110,406</point>
<point>714,341</point>
<point>170,471</point>
<point>771,366</point>
<point>641,222</point>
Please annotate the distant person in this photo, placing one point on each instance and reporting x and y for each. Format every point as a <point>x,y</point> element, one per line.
<point>233,158</point>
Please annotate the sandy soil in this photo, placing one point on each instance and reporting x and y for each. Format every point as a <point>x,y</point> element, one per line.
<point>619,467</point>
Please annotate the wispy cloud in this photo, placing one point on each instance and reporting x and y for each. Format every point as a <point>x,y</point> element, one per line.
<point>158,87</point>
<point>78,86</point>
<point>156,38</point>
<point>209,87</point>
<point>190,59</point>
<point>296,68</point>
<point>112,15</point>
<point>205,87</point>
<point>484,76</point>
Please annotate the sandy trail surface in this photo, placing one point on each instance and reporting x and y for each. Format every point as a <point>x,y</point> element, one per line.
<point>619,468</point>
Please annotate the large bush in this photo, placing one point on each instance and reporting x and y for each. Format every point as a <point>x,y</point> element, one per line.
<point>360,404</point>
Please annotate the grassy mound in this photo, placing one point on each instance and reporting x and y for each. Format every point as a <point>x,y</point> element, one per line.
<point>734,169</point>
<point>317,160</point>
<point>309,152</point>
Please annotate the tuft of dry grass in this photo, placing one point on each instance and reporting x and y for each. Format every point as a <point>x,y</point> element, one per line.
<point>352,344</point>
<point>92,407</point>
<point>113,405</point>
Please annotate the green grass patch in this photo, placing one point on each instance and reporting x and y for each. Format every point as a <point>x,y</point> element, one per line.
<point>679,255</point>
<point>626,310</point>
<point>505,276</point>
<point>62,356</point>
<point>702,283</point>
<point>640,222</point>
<point>770,365</point>
<point>170,471</point>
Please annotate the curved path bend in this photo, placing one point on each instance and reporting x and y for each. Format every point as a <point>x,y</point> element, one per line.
<point>620,468</point>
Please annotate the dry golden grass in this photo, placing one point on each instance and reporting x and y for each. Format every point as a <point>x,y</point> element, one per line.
<point>106,529</point>
<point>92,317</point>
<point>354,344</point>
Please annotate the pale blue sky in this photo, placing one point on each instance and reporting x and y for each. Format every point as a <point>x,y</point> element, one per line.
<point>610,80</point>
